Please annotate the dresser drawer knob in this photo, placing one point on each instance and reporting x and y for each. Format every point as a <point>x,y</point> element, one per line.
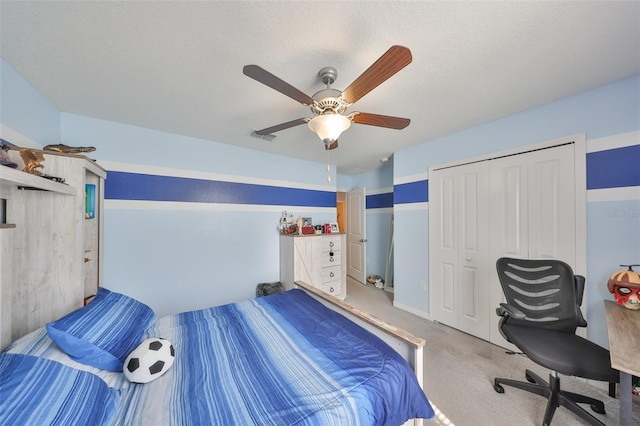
<point>331,290</point>
<point>331,259</point>
<point>332,275</point>
<point>330,243</point>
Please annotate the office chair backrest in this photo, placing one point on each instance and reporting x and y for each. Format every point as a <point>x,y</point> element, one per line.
<point>544,290</point>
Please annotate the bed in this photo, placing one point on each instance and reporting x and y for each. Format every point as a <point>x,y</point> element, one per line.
<point>283,359</point>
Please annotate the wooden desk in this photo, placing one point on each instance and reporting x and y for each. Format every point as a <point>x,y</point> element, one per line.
<point>623,327</point>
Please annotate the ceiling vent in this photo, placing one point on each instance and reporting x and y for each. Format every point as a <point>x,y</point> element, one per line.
<point>264,137</point>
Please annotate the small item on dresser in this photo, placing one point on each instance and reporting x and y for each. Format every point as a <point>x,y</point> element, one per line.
<point>318,229</point>
<point>307,230</point>
<point>69,149</point>
<point>327,228</point>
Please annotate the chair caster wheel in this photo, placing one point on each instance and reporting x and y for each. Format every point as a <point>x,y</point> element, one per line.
<point>498,388</point>
<point>598,409</point>
<point>529,378</point>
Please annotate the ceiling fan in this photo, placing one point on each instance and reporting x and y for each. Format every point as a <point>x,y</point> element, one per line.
<point>329,105</point>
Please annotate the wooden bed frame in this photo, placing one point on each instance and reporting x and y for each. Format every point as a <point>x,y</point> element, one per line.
<point>408,345</point>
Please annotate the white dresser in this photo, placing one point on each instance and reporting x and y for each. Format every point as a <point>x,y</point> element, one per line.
<point>318,260</point>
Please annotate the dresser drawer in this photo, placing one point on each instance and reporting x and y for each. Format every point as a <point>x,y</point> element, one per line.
<point>328,243</point>
<point>330,273</point>
<point>327,260</point>
<point>333,288</point>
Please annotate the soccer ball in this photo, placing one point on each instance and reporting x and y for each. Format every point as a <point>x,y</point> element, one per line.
<point>150,360</point>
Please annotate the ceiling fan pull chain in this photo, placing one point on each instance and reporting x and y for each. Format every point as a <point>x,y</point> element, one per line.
<point>328,168</point>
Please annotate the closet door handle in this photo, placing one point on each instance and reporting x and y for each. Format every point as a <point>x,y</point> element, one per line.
<point>364,240</point>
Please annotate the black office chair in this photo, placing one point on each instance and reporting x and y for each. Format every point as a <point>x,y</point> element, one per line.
<point>540,317</point>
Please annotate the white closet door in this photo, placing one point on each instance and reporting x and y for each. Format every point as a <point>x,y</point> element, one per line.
<point>508,224</point>
<point>532,213</point>
<point>473,253</point>
<point>443,246</point>
<point>459,243</point>
<point>519,206</point>
<point>552,213</point>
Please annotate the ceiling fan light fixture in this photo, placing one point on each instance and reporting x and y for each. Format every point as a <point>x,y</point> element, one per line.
<point>329,127</point>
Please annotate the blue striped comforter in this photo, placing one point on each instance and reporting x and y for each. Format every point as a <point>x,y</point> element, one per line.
<point>279,360</point>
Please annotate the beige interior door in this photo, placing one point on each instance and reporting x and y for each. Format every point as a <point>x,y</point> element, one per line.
<point>356,235</point>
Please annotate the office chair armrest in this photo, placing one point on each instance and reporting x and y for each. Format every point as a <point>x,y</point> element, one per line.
<point>506,310</point>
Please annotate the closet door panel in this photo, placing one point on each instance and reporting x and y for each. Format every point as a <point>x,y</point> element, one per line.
<point>508,225</point>
<point>444,240</point>
<point>552,204</point>
<point>473,269</point>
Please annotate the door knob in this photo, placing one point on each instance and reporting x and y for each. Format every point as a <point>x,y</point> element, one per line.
<point>363,240</point>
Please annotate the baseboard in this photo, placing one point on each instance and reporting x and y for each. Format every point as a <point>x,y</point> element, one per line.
<point>411,310</point>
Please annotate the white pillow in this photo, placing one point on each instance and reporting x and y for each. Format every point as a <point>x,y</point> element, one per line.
<point>150,360</point>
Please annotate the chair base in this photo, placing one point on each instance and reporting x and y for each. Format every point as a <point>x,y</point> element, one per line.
<point>555,397</point>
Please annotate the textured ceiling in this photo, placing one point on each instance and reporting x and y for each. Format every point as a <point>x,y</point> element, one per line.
<point>177,66</point>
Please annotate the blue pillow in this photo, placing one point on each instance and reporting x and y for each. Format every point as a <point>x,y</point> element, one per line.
<point>103,333</point>
<point>38,391</point>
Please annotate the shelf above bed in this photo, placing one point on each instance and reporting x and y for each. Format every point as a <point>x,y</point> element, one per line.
<point>19,178</point>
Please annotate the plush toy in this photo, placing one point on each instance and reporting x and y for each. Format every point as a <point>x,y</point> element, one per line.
<point>625,287</point>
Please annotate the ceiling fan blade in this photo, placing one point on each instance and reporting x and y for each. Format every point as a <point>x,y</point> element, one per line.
<point>266,78</point>
<point>394,59</point>
<point>281,126</point>
<point>381,120</point>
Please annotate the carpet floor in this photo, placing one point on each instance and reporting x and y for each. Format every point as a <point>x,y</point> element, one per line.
<point>459,370</point>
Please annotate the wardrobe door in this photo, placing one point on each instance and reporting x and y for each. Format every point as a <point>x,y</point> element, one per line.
<point>508,224</point>
<point>473,252</point>
<point>459,240</point>
<point>552,211</point>
<point>443,247</point>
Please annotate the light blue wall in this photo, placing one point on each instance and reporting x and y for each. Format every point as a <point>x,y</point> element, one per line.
<point>182,255</point>
<point>604,112</point>
<point>178,256</point>
<point>185,255</point>
<point>28,119</point>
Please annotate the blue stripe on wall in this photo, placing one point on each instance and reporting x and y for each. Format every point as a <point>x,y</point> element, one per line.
<point>136,186</point>
<point>614,168</point>
<point>380,201</point>
<point>413,192</point>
